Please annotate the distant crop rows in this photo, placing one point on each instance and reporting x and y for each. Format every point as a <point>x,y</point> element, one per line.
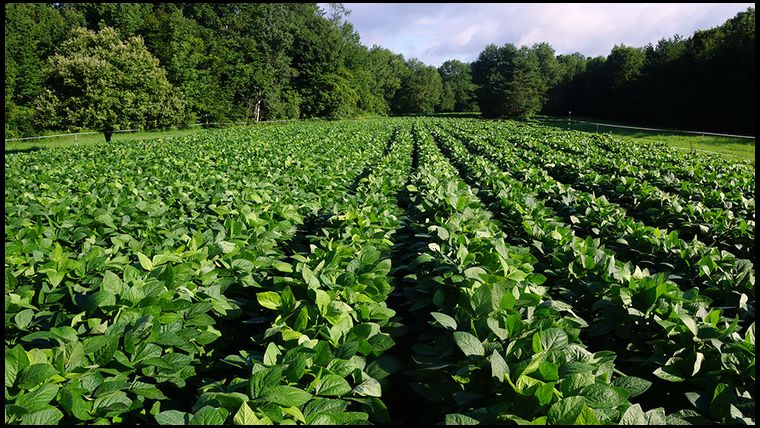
<point>381,271</point>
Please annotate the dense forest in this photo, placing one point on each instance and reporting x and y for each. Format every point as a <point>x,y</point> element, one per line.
<point>114,66</point>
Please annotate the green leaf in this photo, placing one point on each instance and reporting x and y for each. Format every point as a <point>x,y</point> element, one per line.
<point>308,276</point>
<point>460,419</point>
<point>48,416</point>
<point>36,374</point>
<point>324,405</point>
<point>689,323</point>
<point>16,361</point>
<point>587,417</point>
<point>634,385</point>
<point>245,416</point>
<point>445,320</point>
<point>572,384</point>
<point>499,367</point>
<point>698,359</point>
<point>493,324</point>
<point>269,299</point>
<point>553,338</point>
<point>72,402</point>
<point>323,301</point>
<point>368,388</point>
<point>208,415</point>
<point>271,354</point>
<point>665,373</point>
<point>288,396</point>
<point>566,410</point>
<point>601,396</point>
<point>282,266</point>
<point>332,386</point>
<point>55,277</point>
<point>111,282</point>
<point>23,318</point>
<point>383,367</point>
<point>173,417</point>
<point>109,400</point>
<point>264,379</point>
<point>38,399</point>
<point>656,417</point>
<point>468,343</point>
<point>633,416</point>
<point>145,261</point>
<point>474,272</point>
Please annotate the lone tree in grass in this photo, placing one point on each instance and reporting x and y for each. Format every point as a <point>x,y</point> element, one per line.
<point>98,81</point>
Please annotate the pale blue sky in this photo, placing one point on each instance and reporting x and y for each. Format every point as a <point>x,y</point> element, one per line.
<point>436,32</point>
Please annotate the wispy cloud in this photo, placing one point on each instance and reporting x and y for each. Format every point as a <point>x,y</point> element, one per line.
<point>435,33</point>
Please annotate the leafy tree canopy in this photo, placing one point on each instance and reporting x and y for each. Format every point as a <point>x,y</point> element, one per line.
<point>99,81</point>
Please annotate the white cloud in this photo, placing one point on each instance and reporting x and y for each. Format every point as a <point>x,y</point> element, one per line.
<point>435,33</point>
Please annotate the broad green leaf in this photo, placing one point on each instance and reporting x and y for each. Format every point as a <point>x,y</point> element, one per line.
<point>173,417</point>
<point>16,361</point>
<point>145,261</point>
<point>287,396</point>
<point>323,301</point>
<point>368,388</point>
<point>324,405</point>
<point>566,410</point>
<point>36,374</point>
<point>601,396</point>
<point>282,266</point>
<point>634,385</point>
<point>459,419</point>
<point>698,359</point>
<point>112,282</point>
<point>38,399</point>
<point>633,416</point>
<point>271,354</point>
<point>245,416</point>
<point>332,386</point>
<point>553,338</point>
<point>209,416</point>
<point>263,379</point>
<point>23,318</point>
<point>689,323</point>
<point>269,299</point>
<point>445,320</point>
<point>47,416</point>
<point>664,373</point>
<point>468,343</point>
<point>499,367</point>
<point>113,399</point>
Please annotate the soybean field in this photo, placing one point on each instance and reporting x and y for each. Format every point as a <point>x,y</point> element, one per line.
<point>395,270</point>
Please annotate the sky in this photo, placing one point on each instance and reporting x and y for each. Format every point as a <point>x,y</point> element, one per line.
<point>436,32</point>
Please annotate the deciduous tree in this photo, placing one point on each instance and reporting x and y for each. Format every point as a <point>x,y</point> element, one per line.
<point>99,81</point>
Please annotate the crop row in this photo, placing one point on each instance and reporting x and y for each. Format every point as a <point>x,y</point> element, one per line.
<point>715,226</point>
<point>690,263</point>
<point>127,268</point>
<point>672,331</point>
<point>504,350</point>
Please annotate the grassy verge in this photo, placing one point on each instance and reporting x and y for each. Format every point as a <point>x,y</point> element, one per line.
<point>88,139</point>
<point>731,148</point>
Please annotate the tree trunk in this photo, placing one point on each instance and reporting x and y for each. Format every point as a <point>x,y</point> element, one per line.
<point>258,109</point>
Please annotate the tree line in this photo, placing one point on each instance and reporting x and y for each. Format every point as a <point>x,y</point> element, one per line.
<point>704,82</point>
<point>111,66</point>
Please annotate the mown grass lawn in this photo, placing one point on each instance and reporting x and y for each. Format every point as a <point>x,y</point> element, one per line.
<point>732,148</point>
